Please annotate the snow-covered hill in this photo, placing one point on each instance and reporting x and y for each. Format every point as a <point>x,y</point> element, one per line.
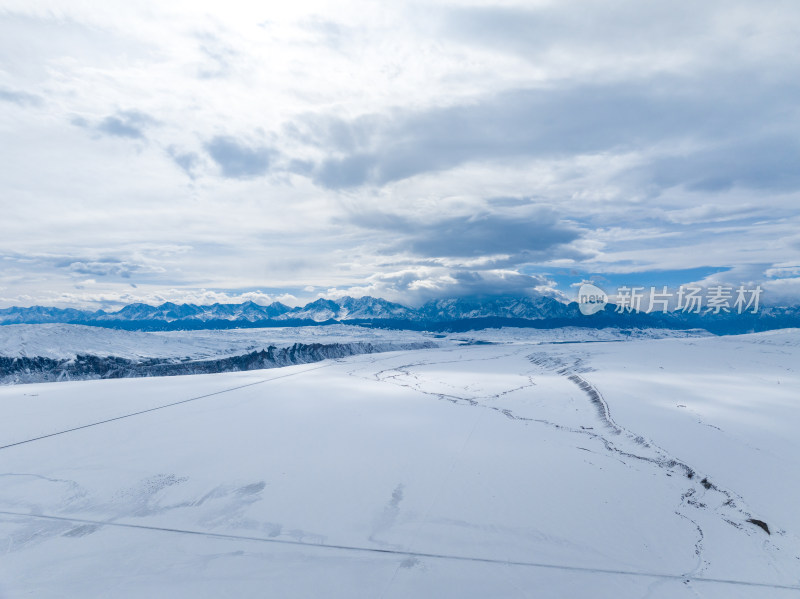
<point>64,341</point>
<point>59,352</point>
<point>660,468</point>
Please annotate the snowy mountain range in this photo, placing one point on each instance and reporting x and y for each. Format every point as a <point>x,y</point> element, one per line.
<point>321,310</point>
<point>443,314</point>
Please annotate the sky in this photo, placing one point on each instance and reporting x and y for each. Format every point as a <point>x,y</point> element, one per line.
<point>233,151</point>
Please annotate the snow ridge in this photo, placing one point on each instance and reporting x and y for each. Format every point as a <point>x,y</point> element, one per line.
<point>84,367</point>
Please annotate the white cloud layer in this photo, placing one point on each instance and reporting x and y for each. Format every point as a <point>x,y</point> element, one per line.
<point>409,150</point>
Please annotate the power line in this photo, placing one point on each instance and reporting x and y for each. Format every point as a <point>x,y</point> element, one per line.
<point>401,553</point>
<point>169,405</point>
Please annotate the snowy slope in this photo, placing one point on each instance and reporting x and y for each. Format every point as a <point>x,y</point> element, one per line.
<point>513,470</point>
<point>67,340</point>
<point>569,335</point>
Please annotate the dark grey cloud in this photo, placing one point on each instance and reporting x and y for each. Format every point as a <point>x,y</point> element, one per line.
<point>42,265</point>
<point>19,97</point>
<point>238,160</point>
<point>101,268</point>
<point>469,282</point>
<point>556,123</point>
<point>509,202</point>
<point>535,236</point>
<point>763,162</point>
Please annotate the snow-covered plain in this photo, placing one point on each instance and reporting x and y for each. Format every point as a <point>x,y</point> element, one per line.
<point>65,341</point>
<point>522,469</point>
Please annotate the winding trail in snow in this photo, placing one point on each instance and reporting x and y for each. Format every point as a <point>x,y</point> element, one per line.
<point>731,506</point>
<point>618,441</point>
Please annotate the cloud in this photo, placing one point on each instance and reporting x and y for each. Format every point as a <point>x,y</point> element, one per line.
<point>531,31</point>
<point>470,137</point>
<point>780,283</point>
<point>141,262</point>
<point>570,120</point>
<point>327,32</point>
<point>416,285</point>
<point>238,160</point>
<point>20,97</point>
<point>187,161</point>
<point>219,57</point>
<point>108,267</point>
<point>783,271</point>
<point>128,123</point>
<point>124,123</point>
<point>761,162</point>
<point>537,235</point>
<point>88,298</point>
